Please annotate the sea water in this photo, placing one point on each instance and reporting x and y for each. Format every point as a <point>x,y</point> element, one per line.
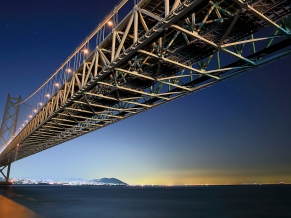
<point>142,202</point>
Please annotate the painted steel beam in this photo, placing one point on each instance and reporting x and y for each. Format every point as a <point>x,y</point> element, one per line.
<point>142,64</point>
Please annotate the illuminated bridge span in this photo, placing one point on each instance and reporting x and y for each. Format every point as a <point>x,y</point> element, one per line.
<point>162,50</point>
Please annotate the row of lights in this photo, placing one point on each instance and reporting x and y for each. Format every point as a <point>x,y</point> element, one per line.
<point>30,116</point>
<point>86,51</point>
<point>40,104</point>
<point>68,70</point>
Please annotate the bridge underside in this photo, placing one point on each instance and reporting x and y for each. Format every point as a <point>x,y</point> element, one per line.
<point>163,50</point>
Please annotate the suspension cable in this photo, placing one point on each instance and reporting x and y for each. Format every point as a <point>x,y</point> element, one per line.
<point>91,35</point>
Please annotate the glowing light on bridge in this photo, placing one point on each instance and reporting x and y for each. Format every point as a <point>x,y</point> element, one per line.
<point>134,75</point>
<point>110,23</point>
<point>34,110</point>
<point>86,51</point>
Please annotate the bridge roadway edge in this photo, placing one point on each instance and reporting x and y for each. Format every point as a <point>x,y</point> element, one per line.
<point>80,92</point>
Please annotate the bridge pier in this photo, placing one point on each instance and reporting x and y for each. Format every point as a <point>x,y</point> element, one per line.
<point>6,175</point>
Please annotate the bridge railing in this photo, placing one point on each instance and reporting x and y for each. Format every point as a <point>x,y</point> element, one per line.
<point>51,86</point>
<point>124,56</point>
<point>39,98</point>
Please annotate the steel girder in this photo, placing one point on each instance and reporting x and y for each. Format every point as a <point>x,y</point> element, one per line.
<point>162,50</point>
<point>9,123</point>
<point>7,174</point>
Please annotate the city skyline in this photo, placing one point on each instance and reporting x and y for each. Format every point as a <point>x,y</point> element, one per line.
<point>236,131</point>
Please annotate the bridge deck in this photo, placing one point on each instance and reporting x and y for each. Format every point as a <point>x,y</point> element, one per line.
<point>155,55</point>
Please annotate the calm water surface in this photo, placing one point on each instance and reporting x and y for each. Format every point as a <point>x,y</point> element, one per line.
<point>140,202</point>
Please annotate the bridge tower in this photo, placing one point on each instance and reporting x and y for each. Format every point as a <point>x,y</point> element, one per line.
<point>8,129</point>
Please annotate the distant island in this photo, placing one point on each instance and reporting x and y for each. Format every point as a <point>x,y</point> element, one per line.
<point>109,181</point>
<point>71,181</point>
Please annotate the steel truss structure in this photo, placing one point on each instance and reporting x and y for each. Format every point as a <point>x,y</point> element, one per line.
<point>7,174</point>
<point>162,50</point>
<point>8,128</point>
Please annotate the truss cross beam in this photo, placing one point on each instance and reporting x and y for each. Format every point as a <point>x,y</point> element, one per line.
<point>160,51</point>
<point>7,174</point>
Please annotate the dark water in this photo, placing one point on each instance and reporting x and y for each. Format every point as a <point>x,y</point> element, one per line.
<point>139,202</point>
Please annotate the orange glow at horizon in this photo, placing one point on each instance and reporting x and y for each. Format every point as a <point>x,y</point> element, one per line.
<point>210,178</point>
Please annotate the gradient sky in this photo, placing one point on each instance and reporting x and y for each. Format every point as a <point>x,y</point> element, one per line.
<point>237,131</point>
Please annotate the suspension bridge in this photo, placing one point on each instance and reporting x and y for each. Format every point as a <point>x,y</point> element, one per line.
<point>160,51</point>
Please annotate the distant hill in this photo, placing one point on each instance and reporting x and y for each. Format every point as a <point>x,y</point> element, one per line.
<point>109,181</point>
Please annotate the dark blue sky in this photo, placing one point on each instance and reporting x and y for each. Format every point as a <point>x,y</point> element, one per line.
<point>237,131</point>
